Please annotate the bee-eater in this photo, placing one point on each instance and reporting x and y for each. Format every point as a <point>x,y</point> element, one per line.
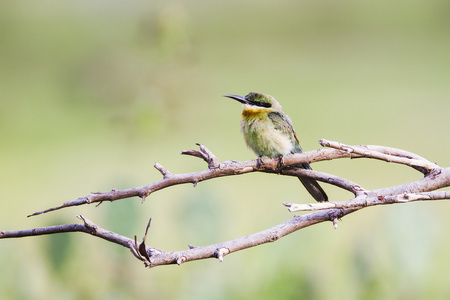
<point>268,131</point>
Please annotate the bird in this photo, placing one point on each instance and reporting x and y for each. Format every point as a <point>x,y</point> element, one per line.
<point>269,132</point>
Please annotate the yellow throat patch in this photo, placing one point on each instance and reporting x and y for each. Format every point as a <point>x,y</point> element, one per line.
<point>253,111</point>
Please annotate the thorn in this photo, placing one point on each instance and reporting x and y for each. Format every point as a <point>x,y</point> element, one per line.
<point>135,242</point>
<point>146,230</point>
<point>88,223</point>
<point>144,195</point>
<point>165,173</point>
<point>99,204</point>
<point>335,223</point>
<point>287,204</point>
<point>35,214</point>
<point>195,183</point>
<point>134,248</point>
<point>192,153</point>
<point>209,157</point>
<point>192,247</point>
<point>220,253</point>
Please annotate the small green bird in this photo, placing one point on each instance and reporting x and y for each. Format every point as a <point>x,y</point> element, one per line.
<point>268,131</point>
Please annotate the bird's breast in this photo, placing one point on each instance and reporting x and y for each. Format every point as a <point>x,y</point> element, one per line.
<point>262,137</point>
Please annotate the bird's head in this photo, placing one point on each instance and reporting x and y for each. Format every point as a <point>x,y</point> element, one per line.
<point>256,100</point>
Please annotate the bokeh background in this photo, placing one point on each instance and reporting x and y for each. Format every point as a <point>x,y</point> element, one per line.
<point>93,93</point>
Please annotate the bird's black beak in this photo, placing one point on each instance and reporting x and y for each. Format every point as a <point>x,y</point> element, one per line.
<point>241,99</point>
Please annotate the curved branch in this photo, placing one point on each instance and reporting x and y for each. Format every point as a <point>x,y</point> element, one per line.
<point>361,201</point>
<point>88,227</point>
<point>270,165</point>
<point>215,170</point>
<point>153,257</point>
<point>266,236</point>
<point>387,154</point>
<point>420,190</point>
<point>343,183</point>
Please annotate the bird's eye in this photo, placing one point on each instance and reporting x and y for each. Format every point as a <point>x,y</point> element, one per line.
<point>262,104</point>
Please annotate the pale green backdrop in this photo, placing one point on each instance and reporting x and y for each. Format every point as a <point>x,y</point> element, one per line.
<point>93,93</point>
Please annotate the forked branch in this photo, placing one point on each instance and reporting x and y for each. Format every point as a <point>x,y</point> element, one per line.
<point>421,190</point>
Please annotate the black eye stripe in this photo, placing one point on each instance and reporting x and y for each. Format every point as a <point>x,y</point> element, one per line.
<point>262,104</point>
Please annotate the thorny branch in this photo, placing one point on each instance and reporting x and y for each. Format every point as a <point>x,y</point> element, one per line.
<point>423,189</point>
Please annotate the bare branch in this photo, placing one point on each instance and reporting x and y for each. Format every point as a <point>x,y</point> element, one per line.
<point>420,190</point>
<point>346,184</point>
<point>205,154</point>
<point>414,191</point>
<point>387,154</point>
<point>154,257</point>
<point>395,152</point>
<point>361,201</point>
<point>216,169</point>
<point>269,235</point>
<point>88,227</point>
<point>165,173</point>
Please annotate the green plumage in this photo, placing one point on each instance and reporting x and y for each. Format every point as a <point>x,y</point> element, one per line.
<point>268,131</point>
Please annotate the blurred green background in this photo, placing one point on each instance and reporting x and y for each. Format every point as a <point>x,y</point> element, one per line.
<point>93,93</point>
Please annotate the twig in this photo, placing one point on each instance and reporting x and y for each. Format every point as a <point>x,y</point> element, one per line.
<point>380,153</point>
<point>365,201</point>
<point>205,154</point>
<point>343,183</point>
<point>87,227</point>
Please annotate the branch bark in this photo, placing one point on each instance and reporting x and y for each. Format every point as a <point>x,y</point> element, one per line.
<point>421,190</point>
<point>214,170</point>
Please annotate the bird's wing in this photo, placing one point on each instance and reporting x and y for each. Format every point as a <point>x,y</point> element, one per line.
<point>282,123</point>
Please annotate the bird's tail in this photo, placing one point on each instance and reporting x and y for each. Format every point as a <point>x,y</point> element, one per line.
<point>313,186</point>
<point>314,189</point>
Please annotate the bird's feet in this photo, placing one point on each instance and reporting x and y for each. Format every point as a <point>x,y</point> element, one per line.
<point>280,164</point>
<point>259,162</point>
